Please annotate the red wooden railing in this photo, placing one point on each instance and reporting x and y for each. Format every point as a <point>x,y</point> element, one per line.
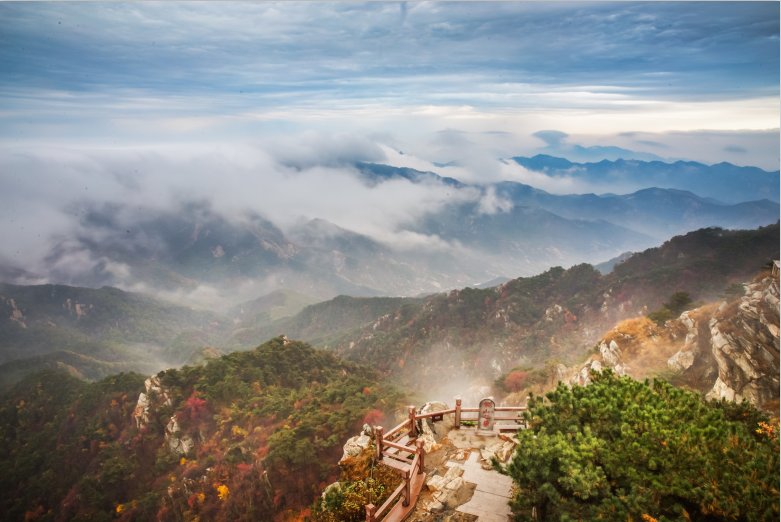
<point>399,440</point>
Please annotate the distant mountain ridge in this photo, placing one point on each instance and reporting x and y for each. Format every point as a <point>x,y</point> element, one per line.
<point>723,181</point>
<point>96,332</point>
<point>558,314</point>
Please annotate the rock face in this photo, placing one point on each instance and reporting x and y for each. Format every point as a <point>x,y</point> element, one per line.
<point>156,396</point>
<point>178,443</point>
<point>153,396</point>
<point>16,314</point>
<point>745,344</point>
<point>727,350</point>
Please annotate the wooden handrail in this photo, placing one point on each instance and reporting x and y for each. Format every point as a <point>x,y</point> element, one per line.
<point>387,440</point>
<point>396,429</point>
<point>384,507</point>
<point>399,447</point>
<point>498,408</point>
<point>435,413</point>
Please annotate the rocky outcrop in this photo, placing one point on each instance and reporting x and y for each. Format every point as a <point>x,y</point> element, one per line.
<point>78,309</point>
<point>745,344</point>
<point>179,443</point>
<point>358,444</point>
<point>431,432</point>
<point>500,449</point>
<point>727,350</point>
<point>16,314</point>
<point>153,396</point>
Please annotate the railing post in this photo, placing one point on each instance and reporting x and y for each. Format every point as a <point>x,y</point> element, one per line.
<point>370,510</point>
<point>407,491</point>
<point>421,454</point>
<point>458,413</point>
<point>378,434</point>
<point>413,425</point>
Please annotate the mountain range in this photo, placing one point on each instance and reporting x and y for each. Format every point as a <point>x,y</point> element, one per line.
<point>194,254</point>
<point>92,333</point>
<point>722,181</point>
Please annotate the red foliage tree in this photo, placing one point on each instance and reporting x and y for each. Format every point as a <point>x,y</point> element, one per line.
<point>515,380</point>
<point>194,411</point>
<point>373,417</point>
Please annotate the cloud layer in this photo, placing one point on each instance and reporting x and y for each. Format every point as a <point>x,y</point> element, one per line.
<point>198,72</point>
<point>265,106</point>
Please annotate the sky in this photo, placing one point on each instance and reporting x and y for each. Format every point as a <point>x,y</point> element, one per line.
<point>260,103</point>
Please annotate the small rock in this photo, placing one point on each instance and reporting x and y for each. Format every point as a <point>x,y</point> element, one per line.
<point>436,507</point>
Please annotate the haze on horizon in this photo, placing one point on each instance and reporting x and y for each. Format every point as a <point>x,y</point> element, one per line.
<point>265,107</point>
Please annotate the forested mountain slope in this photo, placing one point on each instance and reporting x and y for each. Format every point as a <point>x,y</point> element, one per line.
<point>557,316</point>
<point>248,436</point>
<point>96,332</point>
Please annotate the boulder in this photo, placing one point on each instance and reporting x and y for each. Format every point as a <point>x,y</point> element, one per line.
<point>435,506</point>
<point>437,483</point>
<point>681,360</point>
<point>358,444</point>
<point>450,490</point>
<point>432,432</point>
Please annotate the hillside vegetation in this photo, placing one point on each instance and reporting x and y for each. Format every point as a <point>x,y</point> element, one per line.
<point>248,436</point>
<point>480,333</point>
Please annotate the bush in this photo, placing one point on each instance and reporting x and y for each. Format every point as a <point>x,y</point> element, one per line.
<point>515,380</point>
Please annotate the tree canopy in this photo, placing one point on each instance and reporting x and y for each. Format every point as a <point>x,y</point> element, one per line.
<point>620,449</point>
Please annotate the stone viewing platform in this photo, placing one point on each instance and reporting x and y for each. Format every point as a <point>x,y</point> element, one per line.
<point>461,484</point>
<point>444,457</point>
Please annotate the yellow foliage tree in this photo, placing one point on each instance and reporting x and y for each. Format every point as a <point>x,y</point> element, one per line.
<point>222,491</point>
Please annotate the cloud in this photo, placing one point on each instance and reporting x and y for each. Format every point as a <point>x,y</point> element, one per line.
<point>651,143</point>
<point>557,144</point>
<point>552,138</point>
<point>207,68</point>
<point>317,149</point>
<point>758,148</point>
<point>52,193</point>
<point>735,149</point>
<point>491,203</point>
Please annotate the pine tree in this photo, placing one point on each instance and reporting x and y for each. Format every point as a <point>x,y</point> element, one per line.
<point>626,450</point>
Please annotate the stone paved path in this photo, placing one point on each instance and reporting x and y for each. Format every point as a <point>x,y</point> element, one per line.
<point>493,491</point>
